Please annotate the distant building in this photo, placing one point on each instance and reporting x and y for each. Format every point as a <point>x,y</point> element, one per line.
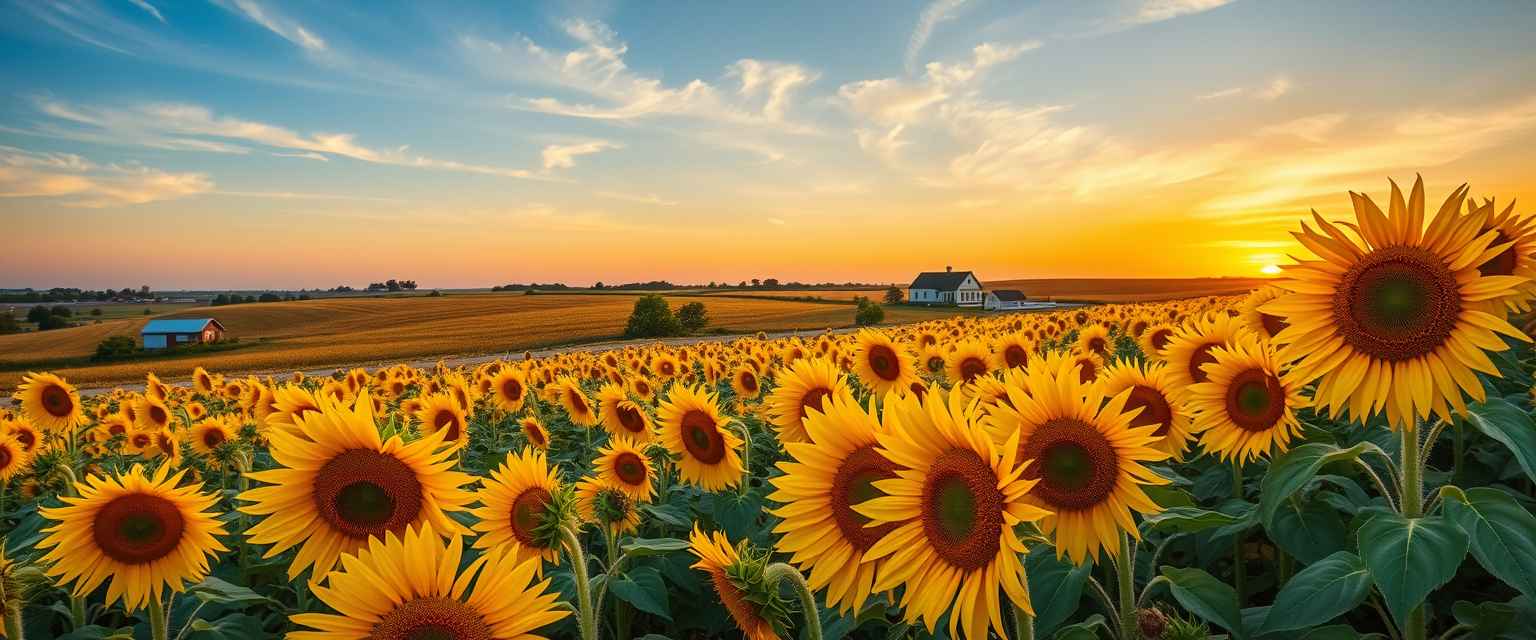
<point>947,287</point>
<point>164,334</point>
<point>1005,299</point>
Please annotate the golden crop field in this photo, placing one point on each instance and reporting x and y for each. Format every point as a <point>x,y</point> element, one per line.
<point>342,331</point>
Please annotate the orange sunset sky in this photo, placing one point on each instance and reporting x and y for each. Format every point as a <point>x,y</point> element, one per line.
<point>266,145</point>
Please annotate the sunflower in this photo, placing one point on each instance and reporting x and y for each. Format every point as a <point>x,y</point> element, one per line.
<point>622,418</point>
<point>745,383</point>
<point>823,479</point>
<point>1155,339</point>
<point>1401,320</point>
<point>692,428</point>
<point>25,434</point>
<point>1011,351</point>
<point>968,361</point>
<point>881,364</point>
<point>624,465</point>
<point>345,484</point>
<point>1519,233</point>
<point>209,434</point>
<point>737,575</point>
<point>1190,348</point>
<point>441,414</point>
<point>1158,401</point>
<point>1094,338</point>
<point>508,389</point>
<point>49,402</point>
<point>643,388</point>
<point>1259,323</point>
<point>930,359</point>
<point>954,507</point>
<point>608,506</point>
<point>13,457</point>
<point>1248,408</point>
<point>1089,364</point>
<point>804,385</point>
<point>202,381</point>
<point>410,586</point>
<point>522,505</point>
<point>666,366</point>
<point>144,532</point>
<point>292,402</point>
<point>1086,457</point>
<point>575,402</point>
<point>535,432</point>
<point>153,413</point>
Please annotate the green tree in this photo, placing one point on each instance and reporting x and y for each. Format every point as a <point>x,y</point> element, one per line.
<point>869,313</point>
<point>692,316</point>
<point>37,314</point>
<point>652,318</point>
<point>115,347</point>
<point>8,323</point>
<point>52,322</point>
<point>893,295</point>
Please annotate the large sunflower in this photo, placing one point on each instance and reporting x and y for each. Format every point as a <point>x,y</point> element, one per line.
<point>409,587</point>
<point>143,532</point>
<point>693,429</point>
<point>1158,401</point>
<point>1190,348</point>
<point>954,506</point>
<point>626,466</point>
<point>622,417</point>
<point>1248,408</point>
<point>522,504</point>
<point>1399,321</point>
<point>344,484</point>
<point>804,385</point>
<point>1086,457</point>
<point>881,364</point>
<point>823,479</point>
<point>49,402</point>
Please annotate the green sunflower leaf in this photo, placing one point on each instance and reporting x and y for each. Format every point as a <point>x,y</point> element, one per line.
<point>1501,532</point>
<point>1410,557</point>
<point>1321,592</point>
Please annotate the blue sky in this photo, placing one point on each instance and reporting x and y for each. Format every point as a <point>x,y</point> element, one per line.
<point>256,143</point>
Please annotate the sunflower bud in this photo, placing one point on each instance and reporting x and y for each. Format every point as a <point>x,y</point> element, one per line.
<point>1152,623</point>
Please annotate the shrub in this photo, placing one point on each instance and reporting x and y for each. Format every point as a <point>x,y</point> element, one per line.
<point>869,313</point>
<point>692,316</point>
<point>115,347</point>
<point>652,318</point>
<point>96,312</point>
<point>52,322</point>
<point>37,314</point>
<point>893,295</point>
<point>8,323</point>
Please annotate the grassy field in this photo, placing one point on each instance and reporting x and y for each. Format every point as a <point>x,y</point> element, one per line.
<point>313,333</point>
<point>1127,289</point>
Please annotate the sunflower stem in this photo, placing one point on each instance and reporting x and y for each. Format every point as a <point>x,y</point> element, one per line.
<point>13,619</point>
<point>1126,576</point>
<point>157,627</point>
<point>585,618</point>
<point>77,611</point>
<point>620,608</point>
<point>1023,624</point>
<point>1412,494</point>
<point>746,456</point>
<point>1459,449</point>
<point>780,571</point>
<point>1239,567</point>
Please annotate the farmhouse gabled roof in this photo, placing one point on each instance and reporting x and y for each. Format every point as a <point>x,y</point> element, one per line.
<point>1008,295</point>
<point>179,325</point>
<point>940,280</point>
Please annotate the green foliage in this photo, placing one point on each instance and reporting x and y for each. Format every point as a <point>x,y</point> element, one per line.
<point>1501,535</point>
<point>1321,592</point>
<point>692,316</point>
<point>893,295</point>
<point>652,318</point>
<point>1203,595</point>
<point>868,312</point>
<point>1410,557</point>
<point>115,347</point>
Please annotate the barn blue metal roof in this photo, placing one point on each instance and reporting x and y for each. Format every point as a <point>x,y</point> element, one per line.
<point>177,325</point>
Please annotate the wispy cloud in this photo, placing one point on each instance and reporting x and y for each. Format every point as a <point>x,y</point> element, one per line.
<point>1222,93</point>
<point>80,182</point>
<point>1151,11</point>
<point>762,94</point>
<point>563,156</point>
<point>890,101</point>
<point>1318,128</point>
<point>291,195</point>
<point>148,8</point>
<point>307,155</point>
<point>155,124</point>
<point>284,27</point>
<point>643,198</point>
<point>1276,88</point>
<point>936,12</point>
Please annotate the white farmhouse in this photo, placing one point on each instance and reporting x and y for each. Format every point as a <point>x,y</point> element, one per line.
<point>1005,299</point>
<point>947,287</point>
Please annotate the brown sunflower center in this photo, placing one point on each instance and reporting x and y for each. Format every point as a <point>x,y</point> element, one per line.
<point>630,418</point>
<point>158,415</point>
<point>213,438</point>
<point>611,505</point>
<point>1098,345</point>
<point>814,399</point>
<point>1087,370</point>
<point>445,419</point>
<point>962,509</point>
<point>535,435</point>
<point>701,436</point>
<point>1155,409</point>
<point>854,483</point>
<point>884,362</point>
<point>1160,338</point>
<point>511,389</point>
<point>578,402</point>
<point>630,468</point>
<point>137,528</point>
<point>1255,400</point>
<point>5,457</point>
<point>528,513</point>
<point>1272,324</point>
<point>365,493</point>
<point>1075,464</point>
<point>972,368</point>
<point>1503,264</point>
<point>56,401</point>
<point>1015,356</point>
<point>748,382</point>
<point>1397,303</point>
<point>432,619</point>
<point>935,363</point>
<point>1200,357</point>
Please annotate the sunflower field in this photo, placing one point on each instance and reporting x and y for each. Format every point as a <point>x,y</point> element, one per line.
<point>1346,453</point>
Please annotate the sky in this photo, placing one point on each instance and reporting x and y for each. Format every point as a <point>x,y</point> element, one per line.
<point>189,144</point>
